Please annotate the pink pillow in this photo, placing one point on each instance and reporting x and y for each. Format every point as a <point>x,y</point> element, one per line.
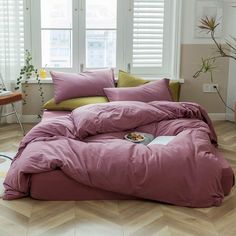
<point>89,83</point>
<point>153,91</point>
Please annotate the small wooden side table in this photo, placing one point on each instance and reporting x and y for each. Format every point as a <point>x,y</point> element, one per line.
<point>10,100</point>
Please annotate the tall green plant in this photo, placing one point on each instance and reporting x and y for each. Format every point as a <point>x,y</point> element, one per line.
<point>26,72</point>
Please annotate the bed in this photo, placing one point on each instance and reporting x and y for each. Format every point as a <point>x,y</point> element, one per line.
<point>148,173</point>
<point>83,154</point>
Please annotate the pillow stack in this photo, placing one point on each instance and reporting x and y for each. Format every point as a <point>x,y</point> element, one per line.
<point>91,87</point>
<point>75,90</point>
<point>128,80</point>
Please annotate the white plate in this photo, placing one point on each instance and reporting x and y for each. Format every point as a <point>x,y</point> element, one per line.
<point>134,141</point>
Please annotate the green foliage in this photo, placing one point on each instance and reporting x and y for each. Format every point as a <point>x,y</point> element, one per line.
<point>26,72</point>
<point>207,66</point>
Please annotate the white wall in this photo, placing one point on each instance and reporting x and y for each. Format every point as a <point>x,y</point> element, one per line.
<point>188,24</point>
<point>230,29</point>
<point>228,23</point>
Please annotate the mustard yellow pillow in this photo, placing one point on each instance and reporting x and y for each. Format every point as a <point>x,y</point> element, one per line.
<point>175,88</point>
<point>127,80</point>
<point>71,104</point>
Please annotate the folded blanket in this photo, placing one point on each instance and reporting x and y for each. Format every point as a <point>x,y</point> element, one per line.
<point>88,146</point>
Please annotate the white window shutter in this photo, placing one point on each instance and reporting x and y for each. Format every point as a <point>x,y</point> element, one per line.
<point>153,45</point>
<point>11,37</point>
<point>12,28</point>
<point>148,25</point>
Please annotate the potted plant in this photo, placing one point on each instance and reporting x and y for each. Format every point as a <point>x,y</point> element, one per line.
<point>26,72</point>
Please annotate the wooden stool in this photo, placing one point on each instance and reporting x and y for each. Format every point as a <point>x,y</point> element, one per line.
<point>11,99</point>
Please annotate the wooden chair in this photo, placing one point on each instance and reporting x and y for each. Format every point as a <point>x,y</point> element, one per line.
<point>10,100</point>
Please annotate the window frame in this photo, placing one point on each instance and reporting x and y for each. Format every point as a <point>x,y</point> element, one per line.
<point>171,43</point>
<point>124,38</point>
<point>35,16</point>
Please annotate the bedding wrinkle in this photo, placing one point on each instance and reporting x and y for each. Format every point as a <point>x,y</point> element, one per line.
<point>89,147</point>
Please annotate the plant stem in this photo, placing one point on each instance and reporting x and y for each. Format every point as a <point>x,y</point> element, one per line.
<point>211,76</point>
<point>221,51</point>
<point>221,98</point>
<point>1,155</point>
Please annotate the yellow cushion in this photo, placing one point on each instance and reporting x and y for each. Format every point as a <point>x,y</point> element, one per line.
<point>71,104</point>
<point>127,80</point>
<point>175,87</point>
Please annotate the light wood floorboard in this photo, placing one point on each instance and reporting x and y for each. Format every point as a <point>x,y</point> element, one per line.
<point>117,218</point>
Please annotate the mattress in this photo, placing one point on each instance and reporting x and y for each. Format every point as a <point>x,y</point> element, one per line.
<point>55,185</point>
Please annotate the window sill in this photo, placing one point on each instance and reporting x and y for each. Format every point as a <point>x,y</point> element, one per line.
<point>43,81</point>
<point>49,80</point>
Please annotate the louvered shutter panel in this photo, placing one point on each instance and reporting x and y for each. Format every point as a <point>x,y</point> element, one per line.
<point>12,31</point>
<point>148,34</point>
<point>21,30</point>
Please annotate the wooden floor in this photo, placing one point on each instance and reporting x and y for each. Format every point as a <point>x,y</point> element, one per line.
<point>137,218</point>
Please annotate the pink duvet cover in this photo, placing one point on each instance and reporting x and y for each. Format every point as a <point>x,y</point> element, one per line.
<point>88,146</point>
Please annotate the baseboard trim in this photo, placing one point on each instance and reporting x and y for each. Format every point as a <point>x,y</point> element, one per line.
<point>217,116</point>
<point>230,117</point>
<point>30,119</point>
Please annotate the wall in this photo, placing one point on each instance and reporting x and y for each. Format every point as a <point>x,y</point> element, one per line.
<point>230,29</point>
<point>33,101</point>
<point>192,88</point>
<point>192,50</point>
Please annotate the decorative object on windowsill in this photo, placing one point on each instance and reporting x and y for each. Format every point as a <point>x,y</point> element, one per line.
<point>26,72</point>
<point>209,25</point>
<point>43,73</point>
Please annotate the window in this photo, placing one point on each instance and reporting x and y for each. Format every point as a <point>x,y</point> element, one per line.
<point>155,37</point>
<point>11,33</point>
<point>101,27</point>
<point>136,35</point>
<point>56,33</point>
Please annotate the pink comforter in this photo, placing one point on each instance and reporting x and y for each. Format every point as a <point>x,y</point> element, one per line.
<point>88,146</point>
